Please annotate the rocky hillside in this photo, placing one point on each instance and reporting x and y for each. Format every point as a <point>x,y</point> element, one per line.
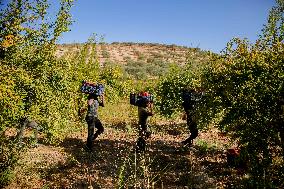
<point>139,60</point>
<point>122,53</point>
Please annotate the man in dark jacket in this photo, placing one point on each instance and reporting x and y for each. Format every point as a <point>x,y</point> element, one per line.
<point>144,111</point>
<point>190,99</point>
<point>93,120</point>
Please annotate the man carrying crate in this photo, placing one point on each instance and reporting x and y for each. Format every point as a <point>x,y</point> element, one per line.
<point>95,99</point>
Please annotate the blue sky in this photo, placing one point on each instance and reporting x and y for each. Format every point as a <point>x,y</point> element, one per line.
<point>207,24</point>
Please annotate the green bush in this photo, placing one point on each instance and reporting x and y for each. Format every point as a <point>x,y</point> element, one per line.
<point>9,155</point>
<point>243,86</point>
<point>33,83</point>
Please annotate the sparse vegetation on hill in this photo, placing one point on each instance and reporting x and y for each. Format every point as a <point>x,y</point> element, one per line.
<point>140,60</point>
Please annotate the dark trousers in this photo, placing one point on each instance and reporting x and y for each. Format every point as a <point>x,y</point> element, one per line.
<point>144,134</point>
<point>192,126</point>
<point>93,122</point>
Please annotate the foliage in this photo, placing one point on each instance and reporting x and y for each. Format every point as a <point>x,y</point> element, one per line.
<point>243,85</point>
<point>36,87</point>
<point>169,88</point>
<point>9,156</point>
<point>33,83</point>
<point>142,70</point>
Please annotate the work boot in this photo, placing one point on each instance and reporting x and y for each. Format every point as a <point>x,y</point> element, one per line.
<point>88,148</point>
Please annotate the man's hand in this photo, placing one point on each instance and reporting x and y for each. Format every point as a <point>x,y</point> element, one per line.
<point>150,106</point>
<point>102,101</point>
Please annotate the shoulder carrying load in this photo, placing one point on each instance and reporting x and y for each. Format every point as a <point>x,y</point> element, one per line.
<point>141,98</point>
<point>191,97</point>
<point>91,88</point>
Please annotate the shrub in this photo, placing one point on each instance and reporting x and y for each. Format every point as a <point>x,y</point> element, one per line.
<point>244,85</point>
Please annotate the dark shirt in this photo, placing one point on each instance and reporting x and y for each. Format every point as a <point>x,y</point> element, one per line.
<point>93,109</point>
<point>143,114</point>
<point>190,100</point>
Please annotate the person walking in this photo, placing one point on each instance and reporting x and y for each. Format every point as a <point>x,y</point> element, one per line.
<point>93,120</point>
<point>145,109</point>
<point>190,99</point>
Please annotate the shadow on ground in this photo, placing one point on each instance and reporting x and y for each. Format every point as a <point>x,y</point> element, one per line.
<point>114,163</point>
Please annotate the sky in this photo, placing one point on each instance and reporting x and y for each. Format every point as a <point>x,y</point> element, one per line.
<point>206,24</point>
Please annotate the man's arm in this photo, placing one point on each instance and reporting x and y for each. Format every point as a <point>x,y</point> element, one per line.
<point>150,110</point>
<point>102,100</point>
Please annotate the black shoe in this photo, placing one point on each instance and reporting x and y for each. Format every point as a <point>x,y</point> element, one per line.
<point>88,148</point>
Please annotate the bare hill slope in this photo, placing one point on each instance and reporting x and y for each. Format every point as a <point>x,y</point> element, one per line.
<point>121,53</point>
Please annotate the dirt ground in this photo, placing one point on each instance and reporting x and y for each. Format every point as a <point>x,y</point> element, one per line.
<point>113,162</point>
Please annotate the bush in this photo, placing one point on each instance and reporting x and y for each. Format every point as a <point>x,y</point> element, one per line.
<point>9,155</point>
<point>33,82</point>
<point>244,85</point>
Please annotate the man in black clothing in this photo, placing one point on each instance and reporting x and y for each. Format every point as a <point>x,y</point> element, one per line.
<point>190,98</point>
<point>144,111</point>
<point>93,120</point>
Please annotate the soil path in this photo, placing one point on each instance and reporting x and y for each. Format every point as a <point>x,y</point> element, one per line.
<point>113,162</point>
